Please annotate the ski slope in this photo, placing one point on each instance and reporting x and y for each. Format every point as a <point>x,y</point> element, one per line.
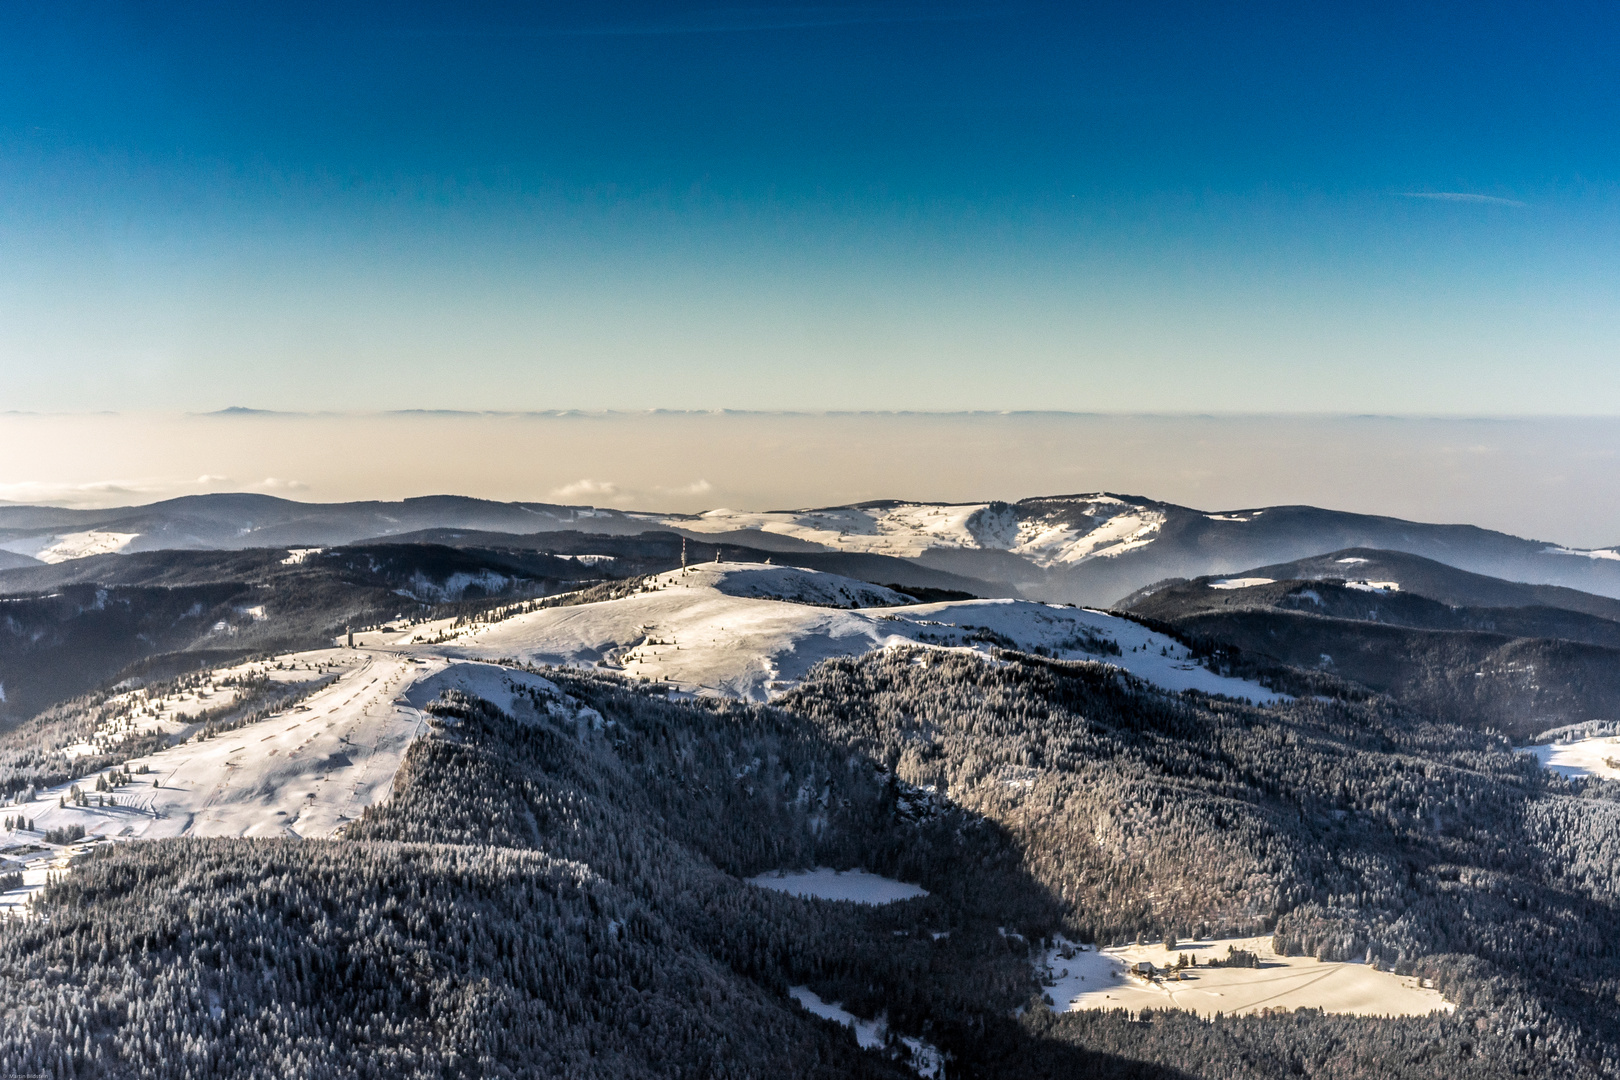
<point>305,771</point>
<point>690,629</point>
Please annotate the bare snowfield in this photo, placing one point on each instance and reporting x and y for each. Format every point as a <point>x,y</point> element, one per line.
<point>712,630</point>
<point>61,547</point>
<point>1580,757</point>
<point>1098,979</point>
<point>1240,582</point>
<point>825,883</point>
<point>1374,586</point>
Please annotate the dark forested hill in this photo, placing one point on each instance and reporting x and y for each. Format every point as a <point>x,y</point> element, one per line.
<point>1446,585</point>
<point>1520,670</point>
<point>656,551</point>
<point>557,892</point>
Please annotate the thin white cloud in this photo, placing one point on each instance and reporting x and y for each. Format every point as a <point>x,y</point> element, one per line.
<point>271,483</point>
<point>586,489</point>
<point>1462,197</point>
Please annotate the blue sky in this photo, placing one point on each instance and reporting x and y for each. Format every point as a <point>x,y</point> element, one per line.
<point>1389,208</point>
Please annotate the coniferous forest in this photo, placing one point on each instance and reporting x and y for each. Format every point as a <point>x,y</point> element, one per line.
<point>557,891</point>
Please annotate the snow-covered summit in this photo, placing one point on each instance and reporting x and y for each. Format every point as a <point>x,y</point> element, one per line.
<point>687,629</point>
<point>789,583</point>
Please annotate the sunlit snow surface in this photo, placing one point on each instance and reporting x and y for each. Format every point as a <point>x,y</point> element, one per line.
<point>1240,582</point>
<point>1612,554</point>
<point>1109,526</point>
<point>1580,757</point>
<point>1098,979</point>
<point>1374,586</point>
<point>65,546</point>
<point>690,630</point>
<point>824,883</point>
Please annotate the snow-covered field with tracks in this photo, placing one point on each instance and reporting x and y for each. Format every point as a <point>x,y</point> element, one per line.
<point>1079,977</point>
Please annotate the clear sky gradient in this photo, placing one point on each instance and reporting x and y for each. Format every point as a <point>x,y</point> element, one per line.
<point>1395,208</point>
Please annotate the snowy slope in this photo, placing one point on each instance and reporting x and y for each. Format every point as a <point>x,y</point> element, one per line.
<point>688,630</point>
<point>62,547</point>
<point>1058,531</point>
<point>303,772</point>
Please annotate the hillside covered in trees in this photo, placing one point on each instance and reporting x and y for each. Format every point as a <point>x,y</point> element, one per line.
<point>558,891</point>
<point>1520,670</point>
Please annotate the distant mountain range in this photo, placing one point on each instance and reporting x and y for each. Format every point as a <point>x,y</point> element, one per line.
<point>1088,549</point>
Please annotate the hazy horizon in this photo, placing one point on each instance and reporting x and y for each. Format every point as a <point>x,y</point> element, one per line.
<point>1552,479</point>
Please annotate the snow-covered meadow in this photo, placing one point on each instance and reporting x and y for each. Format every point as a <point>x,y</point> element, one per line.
<point>1085,977</point>
<point>1597,756</point>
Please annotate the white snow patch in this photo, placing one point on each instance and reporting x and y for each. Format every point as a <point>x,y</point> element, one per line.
<point>298,555</point>
<point>80,545</point>
<point>1580,757</point>
<point>1240,582</point>
<point>1049,544</point>
<point>1592,553</point>
<point>825,883</point>
<point>1374,586</point>
<point>1352,561</point>
<point>1098,979</point>
<point>1226,517</point>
